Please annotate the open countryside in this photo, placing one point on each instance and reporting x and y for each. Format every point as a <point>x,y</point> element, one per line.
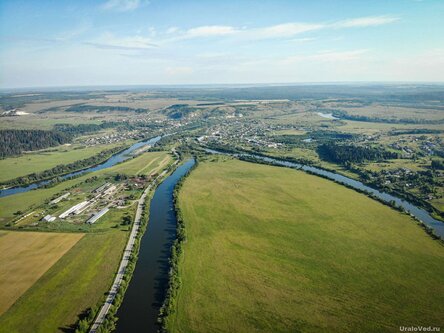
<point>258,243</point>
<point>232,166</point>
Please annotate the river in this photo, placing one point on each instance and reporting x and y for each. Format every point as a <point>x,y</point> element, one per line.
<point>147,288</point>
<point>419,213</point>
<point>113,160</point>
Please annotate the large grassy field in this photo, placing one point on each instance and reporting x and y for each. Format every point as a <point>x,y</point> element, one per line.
<point>77,281</point>
<point>276,250</point>
<point>26,164</point>
<point>25,257</point>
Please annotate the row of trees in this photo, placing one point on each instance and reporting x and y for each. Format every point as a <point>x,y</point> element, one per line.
<point>103,108</point>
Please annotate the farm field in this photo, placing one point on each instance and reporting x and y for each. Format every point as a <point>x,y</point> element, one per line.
<point>144,164</point>
<point>38,161</point>
<point>258,243</point>
<point>25,257</point>
<point>394,112</point>
<point>370,128</point>
<point>77,281</point>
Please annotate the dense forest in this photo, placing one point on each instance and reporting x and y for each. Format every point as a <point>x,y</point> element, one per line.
<point>345,154</point>
<point>15,142</point>
<point>85,128</point>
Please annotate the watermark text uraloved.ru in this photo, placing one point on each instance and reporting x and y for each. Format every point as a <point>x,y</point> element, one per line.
<point>419,329</point>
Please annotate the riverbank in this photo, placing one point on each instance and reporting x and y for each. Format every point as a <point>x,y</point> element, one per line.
<point>147,288</point>
<point>420,214</point>
<point>106,316</point>
<point>176,255</point>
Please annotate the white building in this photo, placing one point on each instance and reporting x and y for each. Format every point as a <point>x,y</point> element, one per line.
<point>49,218</point>
<point>57,200</point>
<point>97,216</point>
<point>77,209</point>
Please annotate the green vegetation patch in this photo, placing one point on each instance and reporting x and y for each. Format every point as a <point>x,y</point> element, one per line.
<point>77,281</point>
<point>274,249</point>
<point>14,167</point>
<point>17,141</point>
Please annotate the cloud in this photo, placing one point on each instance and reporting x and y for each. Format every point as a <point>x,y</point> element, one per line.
<point>328,56</point>
<point>278,31</point>
<point>124,5</point>
<point>172,30</point>
<point>80,29</point>
<point>362,22</point>
<point>284,30</point>
<point>109,41</point>
<point>209,31</point>
<point>303,40</point>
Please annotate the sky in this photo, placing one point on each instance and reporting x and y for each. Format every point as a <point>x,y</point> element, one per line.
<point>140,42</point>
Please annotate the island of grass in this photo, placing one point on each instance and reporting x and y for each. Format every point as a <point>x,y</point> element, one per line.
<point>271,249</point>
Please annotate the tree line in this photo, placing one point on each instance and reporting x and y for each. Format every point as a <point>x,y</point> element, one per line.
<point>103,108</point>
<point>16,141</point>
<point>75,130</point>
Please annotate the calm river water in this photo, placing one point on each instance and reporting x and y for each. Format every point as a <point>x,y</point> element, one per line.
<point>147,288</point>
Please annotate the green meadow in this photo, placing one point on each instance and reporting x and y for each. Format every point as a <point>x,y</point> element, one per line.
<point>39,161</point>
<point>271,249</point>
